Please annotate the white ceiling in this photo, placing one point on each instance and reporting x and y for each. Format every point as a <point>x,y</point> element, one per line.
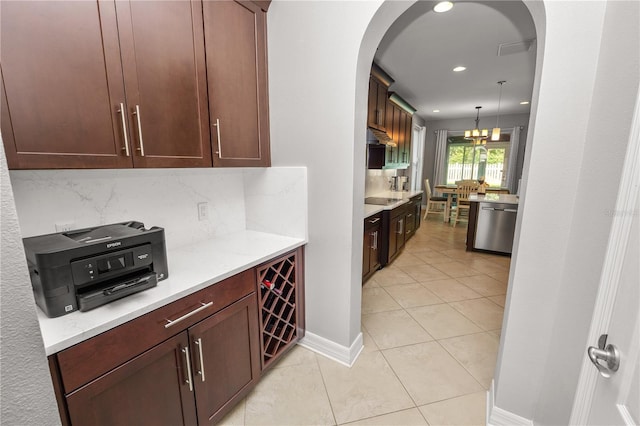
<point>422,47</point>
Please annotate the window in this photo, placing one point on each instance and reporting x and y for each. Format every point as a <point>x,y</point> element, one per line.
<point>464,160</point>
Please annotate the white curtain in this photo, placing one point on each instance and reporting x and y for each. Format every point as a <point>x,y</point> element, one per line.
<point>512,178</point>
<point>440,161</point>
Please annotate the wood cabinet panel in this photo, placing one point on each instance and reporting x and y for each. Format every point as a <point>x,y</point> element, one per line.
<point>165,81</point>
<point>56,116</point>
<point>105,84</point>
<point>118,345</point>
<point>402,136</point>
<point>225,372</point>
<point>235,35</point>
<point>396,232</point>
<point>372,104</point>
<point>371,245</point>
<point>382,105</point>
<point>406,157</point>
<point>151,389</point>
<point>377,105</point>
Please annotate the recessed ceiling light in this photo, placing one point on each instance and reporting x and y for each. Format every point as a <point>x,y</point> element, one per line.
<point>459,68</point>
<point>524,103</point>
<point>436,110</point>
<point>443,6</point>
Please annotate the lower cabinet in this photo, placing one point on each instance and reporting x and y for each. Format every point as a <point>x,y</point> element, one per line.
<point>186,363</point>
<point>413,216</point>
<point>150,389</point>
<point>224,358</point>
<point>371,244</point>
<point>396,232</point>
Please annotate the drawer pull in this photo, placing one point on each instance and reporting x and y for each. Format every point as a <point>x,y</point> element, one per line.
<point>374,220</point>
<point>185,316</point>
<point>198,343</point>
<point>189,380</point>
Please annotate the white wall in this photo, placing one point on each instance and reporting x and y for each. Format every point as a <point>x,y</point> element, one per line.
<point>26,392</point>
<point>556,144</point>
<point>581,125</point>
<point>614,97</point>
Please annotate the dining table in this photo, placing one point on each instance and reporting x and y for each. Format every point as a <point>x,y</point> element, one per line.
<point>449,191</point>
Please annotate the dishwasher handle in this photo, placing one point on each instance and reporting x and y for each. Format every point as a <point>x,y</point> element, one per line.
<point>497,209</point>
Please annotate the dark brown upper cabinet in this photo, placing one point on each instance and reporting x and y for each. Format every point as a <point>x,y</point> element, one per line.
<point>236,51</point>
<point>163,58</point>
<point>104,85</point>
<point>379,82</point>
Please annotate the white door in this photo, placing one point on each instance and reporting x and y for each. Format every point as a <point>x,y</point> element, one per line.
<point>616,400</point>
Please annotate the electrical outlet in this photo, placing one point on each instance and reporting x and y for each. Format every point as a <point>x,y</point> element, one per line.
<point>65,226</point>
<point>203,211</point>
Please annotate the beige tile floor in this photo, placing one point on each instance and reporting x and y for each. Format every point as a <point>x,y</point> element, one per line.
<point>431,324</point>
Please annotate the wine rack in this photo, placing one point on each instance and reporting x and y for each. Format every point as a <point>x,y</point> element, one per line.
<point>279,292</point>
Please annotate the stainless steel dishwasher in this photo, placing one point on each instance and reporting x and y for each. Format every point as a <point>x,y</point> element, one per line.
<point>495,227</point>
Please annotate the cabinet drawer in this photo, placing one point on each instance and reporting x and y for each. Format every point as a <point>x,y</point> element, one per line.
<point>94,357</point>
<point>398,211</point>
<point>373,221</point>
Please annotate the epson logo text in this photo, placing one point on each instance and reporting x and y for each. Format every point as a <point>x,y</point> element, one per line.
<point>116,244</point>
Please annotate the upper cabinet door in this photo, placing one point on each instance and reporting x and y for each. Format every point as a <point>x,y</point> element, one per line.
<point>235,39</point>
<point>377,104</point>
<point>165,78</point>
<point>62,86</point>
<point>382,105</point>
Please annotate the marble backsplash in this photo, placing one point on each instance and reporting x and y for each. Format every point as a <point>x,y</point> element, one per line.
<point>378,181</point>
<point>237,199</point>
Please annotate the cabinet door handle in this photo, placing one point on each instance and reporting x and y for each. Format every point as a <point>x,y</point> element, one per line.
<point>217,124</point>
<point>171,323</point>
<point>198,343</point>
<point>137,114</point>
<point>188,379</point>
<point>375,240</point>
<point>401,226</point>
<point>123,117</point>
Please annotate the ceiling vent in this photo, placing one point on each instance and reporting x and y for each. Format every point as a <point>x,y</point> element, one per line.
<point>517,47</point>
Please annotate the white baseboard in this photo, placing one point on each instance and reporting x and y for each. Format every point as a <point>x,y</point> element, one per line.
<point>496,416</point>
<point>342,354</point>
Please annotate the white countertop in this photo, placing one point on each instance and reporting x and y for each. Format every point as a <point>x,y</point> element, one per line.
<point>402,196</point>
<point>495,198</point>
<point>191,268</point>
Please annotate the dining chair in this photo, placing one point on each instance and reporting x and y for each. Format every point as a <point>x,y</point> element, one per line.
<point>463,190</point>
<point>433,201</point>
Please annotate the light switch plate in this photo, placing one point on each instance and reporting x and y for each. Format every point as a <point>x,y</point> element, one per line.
<point>203,211</point>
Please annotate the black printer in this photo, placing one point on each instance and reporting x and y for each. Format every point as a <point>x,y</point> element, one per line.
<point>87,268</point>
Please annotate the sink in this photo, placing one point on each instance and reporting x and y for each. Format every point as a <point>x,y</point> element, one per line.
<point>381,201</point>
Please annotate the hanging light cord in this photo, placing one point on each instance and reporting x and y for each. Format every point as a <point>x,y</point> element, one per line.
<point>499,100</point>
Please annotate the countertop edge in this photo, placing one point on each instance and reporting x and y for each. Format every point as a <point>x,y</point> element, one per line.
<point>236,252</point>
<point>405,196</point>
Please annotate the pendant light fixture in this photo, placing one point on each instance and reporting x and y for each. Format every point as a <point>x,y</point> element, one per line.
<point>495,133</point>
<point>479,137</point>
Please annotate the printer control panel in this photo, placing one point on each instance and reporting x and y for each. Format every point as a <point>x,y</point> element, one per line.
<point>112,264</point>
